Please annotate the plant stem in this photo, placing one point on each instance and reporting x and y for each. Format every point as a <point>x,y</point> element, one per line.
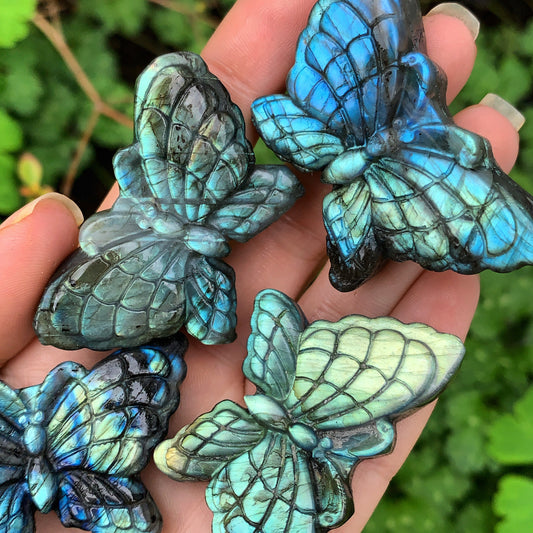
<point>58,41</point>
<point>68,181</point>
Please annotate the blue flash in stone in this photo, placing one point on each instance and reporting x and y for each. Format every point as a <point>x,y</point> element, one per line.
<point>77,443</point>
<point>366,106</point>
<point>188,184</point>
<point>328,395</point>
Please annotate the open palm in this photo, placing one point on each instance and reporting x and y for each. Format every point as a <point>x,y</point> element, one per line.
<point>251,52</point>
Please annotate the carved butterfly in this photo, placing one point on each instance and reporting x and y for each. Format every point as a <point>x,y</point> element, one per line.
<point>328,395</point>
<point>366,106</point>
<point>77,442</point>
<point>188,184</point>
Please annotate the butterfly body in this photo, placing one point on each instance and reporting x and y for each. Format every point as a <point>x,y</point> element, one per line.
<point>152,263</point>
<point>328,395</point>
<point>367,107</point>
<point>77,442</point>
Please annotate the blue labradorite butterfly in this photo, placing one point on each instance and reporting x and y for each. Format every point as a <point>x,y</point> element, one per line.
<point>367,106</point>
<point>152,262</point>
<point>77,442</point>
<point>328,395</point>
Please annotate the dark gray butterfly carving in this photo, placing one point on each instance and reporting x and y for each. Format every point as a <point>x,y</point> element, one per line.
<point>152,263</point>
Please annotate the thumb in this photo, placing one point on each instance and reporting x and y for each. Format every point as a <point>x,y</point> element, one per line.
<point>33,242</point>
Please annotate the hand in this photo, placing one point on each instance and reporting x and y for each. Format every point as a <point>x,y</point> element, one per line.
<point>251,52</point>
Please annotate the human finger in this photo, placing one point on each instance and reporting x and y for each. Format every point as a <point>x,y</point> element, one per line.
<point>33,242</point>
<point>497,122</point>
<point>451,44</point>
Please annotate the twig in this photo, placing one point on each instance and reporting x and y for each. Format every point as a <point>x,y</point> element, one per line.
<point>57,40</point>
<point>169,4</point>
<point>68,181</point>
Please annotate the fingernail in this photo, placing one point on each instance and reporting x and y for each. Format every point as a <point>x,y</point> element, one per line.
<point>28,209</point>
<point>506,109</point>
<point>460,12</point>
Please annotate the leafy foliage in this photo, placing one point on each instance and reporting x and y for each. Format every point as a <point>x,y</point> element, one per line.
<point>14,18</point>
<point>10,141</point>
<point>513,502</point>
<point>511,435</point>
<point>112,42</point>
<point>449,482</point>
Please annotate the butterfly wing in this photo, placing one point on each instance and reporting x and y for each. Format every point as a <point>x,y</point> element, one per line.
<point>268,193</point>
<point>106,504</point>
<point>435,195</point>
<point>204,446</point>
<point>123,287</point>
<point>450,209</point>
<point>108,419</point>
<point>210,300</point>
<point>101,430</point>
<point>266,489</point>
<point>190,137</point>
<point>358,370</point>
<point>273,344</point>
<point>16,508</point>
<point>353,248</point>
<point>343,85</point>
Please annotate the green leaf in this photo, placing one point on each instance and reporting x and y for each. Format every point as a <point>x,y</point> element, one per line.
<point>511,436</point>
<point>125,16</point>
<point>10,133</point>
<point>527,40</point>
<point>21,87</point>
<point>30,170</point>
<point>514,79</point>
<point>56,115</point>
<point>265,156</point>
<point>407,516</point>
<point>466,449</point>
<point>475,517</point>
<point>112,134</point>
<point>513,502</point>
<point>14,18</point>
<point>9,196</point>
<point>171,27</point>
<point>439,489</point>
<point>182,31</point>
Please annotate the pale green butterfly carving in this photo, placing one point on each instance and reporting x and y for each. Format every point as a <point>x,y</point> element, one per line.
<point>328,395</point>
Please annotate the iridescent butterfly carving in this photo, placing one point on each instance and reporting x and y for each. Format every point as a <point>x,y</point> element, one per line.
<point>188,184</point>
<point>77,442</point>
<point>366,106</point>
<point>328,395</point>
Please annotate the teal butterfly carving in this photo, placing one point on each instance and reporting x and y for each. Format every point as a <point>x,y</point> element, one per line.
<point>367,107</point>
<point>76,443</point>
<point>152,263</point>
<point>328,395</point>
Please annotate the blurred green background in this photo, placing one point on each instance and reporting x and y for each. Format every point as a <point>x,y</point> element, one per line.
<point>67,69</point>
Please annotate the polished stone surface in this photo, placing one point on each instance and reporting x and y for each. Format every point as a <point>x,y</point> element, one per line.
<point>367,107</point>
<point>328,395</point>
<point>76,443</point>
<point>152,263</point>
